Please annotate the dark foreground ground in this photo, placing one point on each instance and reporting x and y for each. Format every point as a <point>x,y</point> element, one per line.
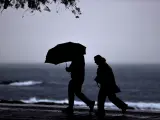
<point>10,111</point>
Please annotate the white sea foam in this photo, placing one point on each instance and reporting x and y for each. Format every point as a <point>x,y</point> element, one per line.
<point>25,83</point>
<point>108,105</point>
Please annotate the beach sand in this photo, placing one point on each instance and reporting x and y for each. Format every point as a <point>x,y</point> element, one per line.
<point>10,111</point>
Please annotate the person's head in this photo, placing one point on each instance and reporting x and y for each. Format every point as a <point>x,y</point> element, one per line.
<point>99,59</point>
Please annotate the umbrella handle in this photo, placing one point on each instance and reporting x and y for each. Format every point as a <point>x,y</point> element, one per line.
<point>66,66</point>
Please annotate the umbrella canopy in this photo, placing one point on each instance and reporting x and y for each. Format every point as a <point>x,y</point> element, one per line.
<point>64,52</point>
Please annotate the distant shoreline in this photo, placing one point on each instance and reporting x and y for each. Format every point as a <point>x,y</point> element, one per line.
<point>90,64</point>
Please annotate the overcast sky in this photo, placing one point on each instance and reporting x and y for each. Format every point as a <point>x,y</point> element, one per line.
<point>123,31</point>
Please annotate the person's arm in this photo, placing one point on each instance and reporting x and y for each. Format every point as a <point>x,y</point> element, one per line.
<point>97,78</point>
<point>68,69</point>
<point>101,76</point>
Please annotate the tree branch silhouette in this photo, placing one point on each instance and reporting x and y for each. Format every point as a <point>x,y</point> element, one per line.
<point>40,5</point>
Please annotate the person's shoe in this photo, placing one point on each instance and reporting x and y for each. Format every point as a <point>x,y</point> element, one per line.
<point>68,110</point>
<point>129,107</point>
<point>91,106</point>
<point>100,114</point>
<point>124,109</point>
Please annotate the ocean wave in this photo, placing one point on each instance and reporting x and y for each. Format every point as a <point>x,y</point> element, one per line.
<point>7,82</point>
<point>57,83</point>
<point>25,83</point>
<point>108,105</point>
<point>35,100</point>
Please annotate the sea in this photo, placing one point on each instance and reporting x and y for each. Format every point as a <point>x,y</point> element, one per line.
<point>32,83</point>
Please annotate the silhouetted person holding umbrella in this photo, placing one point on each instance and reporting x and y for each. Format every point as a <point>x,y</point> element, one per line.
<point>105,78</point>
<point>73,52</point>
<point>77,70</point>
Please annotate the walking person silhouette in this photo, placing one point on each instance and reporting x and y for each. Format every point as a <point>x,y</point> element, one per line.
<point>77,70</point>
<point>105,78</point>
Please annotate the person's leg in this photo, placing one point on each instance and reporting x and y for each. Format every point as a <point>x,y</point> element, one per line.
<point>119,103</point>
<point>115,100</point>
<point>71,94</point>
<point>69,109</point>
<point>101,101</point>
<point>82,97</point>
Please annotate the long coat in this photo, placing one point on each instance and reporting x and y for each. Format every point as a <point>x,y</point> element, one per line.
<point>106,79</point>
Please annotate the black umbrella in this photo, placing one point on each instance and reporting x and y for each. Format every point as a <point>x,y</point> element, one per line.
<point>64,52</point>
